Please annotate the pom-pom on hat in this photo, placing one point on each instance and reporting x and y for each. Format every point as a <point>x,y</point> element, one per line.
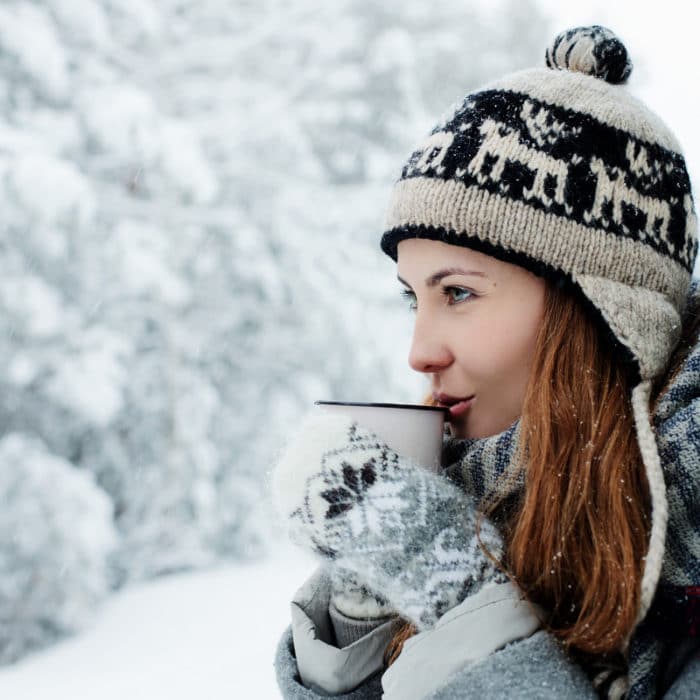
<point>593,51</point>
<point>562,171</point>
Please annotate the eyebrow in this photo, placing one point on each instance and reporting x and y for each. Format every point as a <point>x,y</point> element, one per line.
<point>435,278</point>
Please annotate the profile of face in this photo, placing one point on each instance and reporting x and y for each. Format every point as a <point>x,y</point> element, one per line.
<point>476,325</point>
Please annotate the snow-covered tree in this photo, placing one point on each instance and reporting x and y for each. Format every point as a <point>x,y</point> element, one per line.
<point>192,197</point>
<point>57,533</point>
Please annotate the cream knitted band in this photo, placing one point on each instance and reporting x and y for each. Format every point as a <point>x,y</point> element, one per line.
<point>450,211</point>
<point>555,161</point>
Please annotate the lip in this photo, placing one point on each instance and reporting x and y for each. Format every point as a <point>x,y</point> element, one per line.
<point>457,406</point>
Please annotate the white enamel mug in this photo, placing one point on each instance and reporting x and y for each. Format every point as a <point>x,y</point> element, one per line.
<point>412,431</point>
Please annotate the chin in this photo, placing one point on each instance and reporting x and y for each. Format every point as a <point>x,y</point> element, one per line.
<point>469,431</point>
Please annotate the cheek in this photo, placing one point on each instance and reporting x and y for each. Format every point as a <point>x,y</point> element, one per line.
<point>518,352</point>
<point>499,346</point>
<point>483,348</point>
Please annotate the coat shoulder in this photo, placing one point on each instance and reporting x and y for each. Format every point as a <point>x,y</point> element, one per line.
<point>536,667</point>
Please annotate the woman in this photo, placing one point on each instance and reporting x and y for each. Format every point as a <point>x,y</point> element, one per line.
<point>545,236</point>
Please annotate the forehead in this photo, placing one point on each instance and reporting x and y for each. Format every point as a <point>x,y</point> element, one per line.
<point>421,254</point>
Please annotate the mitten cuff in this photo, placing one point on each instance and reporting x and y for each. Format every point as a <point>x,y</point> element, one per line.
<point>349,629</point>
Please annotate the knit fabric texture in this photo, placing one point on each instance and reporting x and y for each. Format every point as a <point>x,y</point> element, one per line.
<point>486,468</point>
<point>348,630</point>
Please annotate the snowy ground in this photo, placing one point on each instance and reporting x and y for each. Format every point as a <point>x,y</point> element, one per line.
<point>203,635</point>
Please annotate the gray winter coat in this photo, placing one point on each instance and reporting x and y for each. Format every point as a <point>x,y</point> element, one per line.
<point>487,647</point>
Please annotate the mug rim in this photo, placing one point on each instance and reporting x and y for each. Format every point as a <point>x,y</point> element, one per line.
<point>408,406</point>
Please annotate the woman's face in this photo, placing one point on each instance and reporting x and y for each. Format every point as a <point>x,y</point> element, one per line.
<point>476,325</point>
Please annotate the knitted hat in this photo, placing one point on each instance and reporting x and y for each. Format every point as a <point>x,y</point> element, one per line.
<point>562,171</point>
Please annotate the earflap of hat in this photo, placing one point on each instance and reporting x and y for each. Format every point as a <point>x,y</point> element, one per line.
<point>649,451</point>
<point>644,321</point>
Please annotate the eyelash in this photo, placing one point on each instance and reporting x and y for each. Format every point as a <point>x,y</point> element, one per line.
<point>445,291</point>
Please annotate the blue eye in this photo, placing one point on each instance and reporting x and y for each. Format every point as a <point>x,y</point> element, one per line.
<point>411,297</point>
<point>457,295</point>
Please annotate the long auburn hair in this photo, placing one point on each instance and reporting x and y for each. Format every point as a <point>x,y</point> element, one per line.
<point>576,540</point>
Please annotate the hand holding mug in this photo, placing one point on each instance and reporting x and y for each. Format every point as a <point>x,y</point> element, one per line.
<point>410,534</point>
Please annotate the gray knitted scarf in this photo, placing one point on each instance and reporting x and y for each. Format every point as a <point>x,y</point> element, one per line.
<point>484,467</point>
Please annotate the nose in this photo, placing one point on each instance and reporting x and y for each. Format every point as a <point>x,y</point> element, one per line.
<point>429,351</point>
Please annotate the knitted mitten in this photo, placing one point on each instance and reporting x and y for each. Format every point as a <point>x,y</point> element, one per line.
<point>408,534</point>
<point>353,598</point>
<point>354,609</point>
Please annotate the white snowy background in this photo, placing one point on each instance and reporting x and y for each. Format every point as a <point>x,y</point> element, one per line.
<point>192,195</point>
